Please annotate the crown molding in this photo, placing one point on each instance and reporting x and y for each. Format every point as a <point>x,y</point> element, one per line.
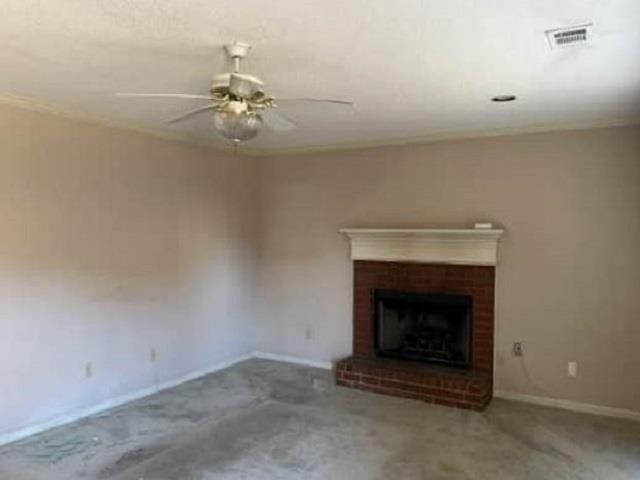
<point>441,136</point>
<point>246,150</point>
<point>83,116</point>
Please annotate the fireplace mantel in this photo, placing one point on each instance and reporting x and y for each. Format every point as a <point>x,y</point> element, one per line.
<point>473,246</point>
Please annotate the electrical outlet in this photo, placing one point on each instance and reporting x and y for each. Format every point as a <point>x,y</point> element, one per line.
<point>152,355</point>
<point>572,369</point>
<point>88,370</point>
<point>517,349</point>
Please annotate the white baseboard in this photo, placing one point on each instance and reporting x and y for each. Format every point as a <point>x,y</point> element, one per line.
<point>570,405</point>
<point>145,392</point>
<point>115,402</point>
<point>296,360</point>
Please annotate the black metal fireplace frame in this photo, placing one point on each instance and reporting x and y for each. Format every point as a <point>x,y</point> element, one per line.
<point>431,297</point>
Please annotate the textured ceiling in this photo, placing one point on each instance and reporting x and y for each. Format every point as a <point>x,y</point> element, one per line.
<point>417,69</point>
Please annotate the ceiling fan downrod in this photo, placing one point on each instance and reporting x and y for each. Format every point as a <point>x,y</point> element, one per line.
<point>237,51</point>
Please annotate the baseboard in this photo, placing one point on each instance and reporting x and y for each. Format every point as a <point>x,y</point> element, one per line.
<point>70,417</point>
<point>570,405</point>
<point>115,402</point>
<point>296,360</point>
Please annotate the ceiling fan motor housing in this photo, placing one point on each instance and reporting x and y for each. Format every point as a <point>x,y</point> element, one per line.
<point>239,85</point>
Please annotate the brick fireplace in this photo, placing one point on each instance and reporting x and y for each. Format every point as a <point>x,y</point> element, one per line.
<point>425,359</point>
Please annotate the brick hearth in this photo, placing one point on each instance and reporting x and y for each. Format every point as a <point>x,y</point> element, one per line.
<point>470,388</point>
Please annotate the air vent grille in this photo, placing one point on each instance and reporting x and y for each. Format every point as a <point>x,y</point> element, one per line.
<point>564,37</point>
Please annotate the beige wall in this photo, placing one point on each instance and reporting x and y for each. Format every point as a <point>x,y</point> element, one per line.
<point>569,275</point>
<point>113,243</point>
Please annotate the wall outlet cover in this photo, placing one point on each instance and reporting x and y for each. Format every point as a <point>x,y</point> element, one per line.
<point>517,349</point>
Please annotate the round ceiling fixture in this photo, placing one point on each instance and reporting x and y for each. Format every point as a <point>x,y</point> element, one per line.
<point>503,98</point>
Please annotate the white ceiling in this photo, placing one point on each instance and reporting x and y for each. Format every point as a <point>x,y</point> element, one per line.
<point>417,69</point>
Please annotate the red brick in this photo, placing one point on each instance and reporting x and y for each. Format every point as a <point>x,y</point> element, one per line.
<point>463,389</point>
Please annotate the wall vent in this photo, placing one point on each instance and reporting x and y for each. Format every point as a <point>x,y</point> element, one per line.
<point>565,37</point>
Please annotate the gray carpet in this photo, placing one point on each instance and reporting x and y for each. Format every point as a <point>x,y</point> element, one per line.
<point>269,420</point>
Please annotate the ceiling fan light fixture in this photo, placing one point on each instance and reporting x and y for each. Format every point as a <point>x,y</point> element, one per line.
<point>239,102</point>
<point>237,127</point>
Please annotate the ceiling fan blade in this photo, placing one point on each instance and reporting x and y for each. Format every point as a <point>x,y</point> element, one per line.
<point>164,95</point>
<point>288,101</point>
<point>277,122</point>
<point>190,113</point>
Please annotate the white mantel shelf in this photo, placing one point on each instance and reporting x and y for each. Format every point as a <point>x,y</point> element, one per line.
<point>471,246</point>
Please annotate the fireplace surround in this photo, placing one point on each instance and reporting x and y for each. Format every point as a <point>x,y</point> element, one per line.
<point>435,305</point>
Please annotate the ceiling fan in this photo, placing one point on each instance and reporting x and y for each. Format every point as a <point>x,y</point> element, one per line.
<point>239,102</point>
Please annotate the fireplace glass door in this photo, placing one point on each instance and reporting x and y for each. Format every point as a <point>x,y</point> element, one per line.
<point>434,328</point>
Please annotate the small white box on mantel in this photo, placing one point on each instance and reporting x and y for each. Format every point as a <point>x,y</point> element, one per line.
<point>483,226</point>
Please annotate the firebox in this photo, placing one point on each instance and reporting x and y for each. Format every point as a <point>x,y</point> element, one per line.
<point>434,328</point>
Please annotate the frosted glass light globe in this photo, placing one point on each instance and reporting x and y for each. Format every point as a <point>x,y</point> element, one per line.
<point>238,127</point>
